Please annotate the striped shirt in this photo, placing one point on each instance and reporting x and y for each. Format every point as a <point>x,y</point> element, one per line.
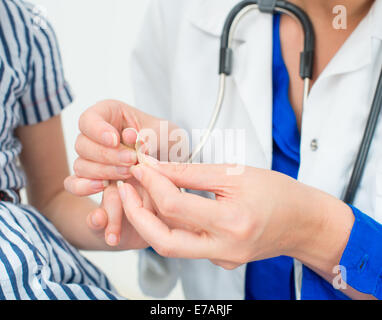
<point>36,262</point>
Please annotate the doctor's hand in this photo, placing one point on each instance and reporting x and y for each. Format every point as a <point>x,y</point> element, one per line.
<point>257,215</point>
<point>111,221</point>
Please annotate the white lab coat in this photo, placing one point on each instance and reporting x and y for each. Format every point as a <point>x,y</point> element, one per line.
<point>174,70</point>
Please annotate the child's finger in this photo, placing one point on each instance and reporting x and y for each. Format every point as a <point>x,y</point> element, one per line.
<point>84,187</point>
<point>97,220</point>
<point>98,171</point>
<point>113,206</point>
<point>92,151</point>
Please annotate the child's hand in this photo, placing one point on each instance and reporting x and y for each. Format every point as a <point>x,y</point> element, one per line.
<point>102,146</point>
<point>106,129</point>
<point>93,176</point>
<point>105,159</point>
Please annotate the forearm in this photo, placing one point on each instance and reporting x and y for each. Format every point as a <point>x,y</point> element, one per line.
<point>325,226</point>
<point>68,214</point>
<point>324,242</point>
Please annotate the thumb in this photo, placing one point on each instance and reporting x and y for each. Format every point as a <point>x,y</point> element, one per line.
<point>204,177</point>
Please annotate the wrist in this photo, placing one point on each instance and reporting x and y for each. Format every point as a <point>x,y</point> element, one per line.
<point>325,224</point>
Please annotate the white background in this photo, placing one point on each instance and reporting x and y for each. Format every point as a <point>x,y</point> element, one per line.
<point>96,38</point>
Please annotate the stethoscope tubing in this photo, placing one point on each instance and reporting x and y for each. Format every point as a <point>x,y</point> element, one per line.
<point>234,18</point>
<point>306,73</point>
<point>236,15</point>
<point>365,147</point>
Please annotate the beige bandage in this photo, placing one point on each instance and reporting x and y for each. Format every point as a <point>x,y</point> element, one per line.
<point>137,147</point>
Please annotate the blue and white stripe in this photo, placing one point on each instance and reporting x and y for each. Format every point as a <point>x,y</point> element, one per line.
<point>35,261</point>
<point>32,83</point>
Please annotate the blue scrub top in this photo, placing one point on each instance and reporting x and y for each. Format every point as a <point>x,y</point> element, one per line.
<point>273,279</point>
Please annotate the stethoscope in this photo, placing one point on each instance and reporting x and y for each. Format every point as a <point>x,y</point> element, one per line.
<point>306,72</point>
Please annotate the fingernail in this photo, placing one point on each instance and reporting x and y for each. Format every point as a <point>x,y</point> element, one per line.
<point>110,139</point>
<point>137,172</point>
<point>112,239</point>
<point>99,185</point>
<point>123,171</point>
<point>121,189</point>
<point>128,157</point>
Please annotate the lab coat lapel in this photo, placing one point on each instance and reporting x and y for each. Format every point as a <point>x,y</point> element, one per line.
<point>252,70</point>
<point>253,76</point>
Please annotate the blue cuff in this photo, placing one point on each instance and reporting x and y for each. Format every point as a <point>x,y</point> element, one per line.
<point>362,257</point>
